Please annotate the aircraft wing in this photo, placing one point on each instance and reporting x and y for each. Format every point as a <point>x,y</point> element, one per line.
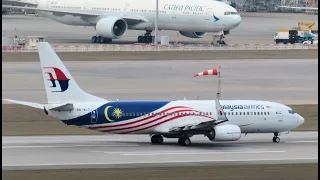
<point>131,20</point>
<point>20,2</point>
<point>302,8</point>
<point>221,118</point>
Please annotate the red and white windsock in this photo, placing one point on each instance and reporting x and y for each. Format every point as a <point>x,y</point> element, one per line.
<point>209,72</point>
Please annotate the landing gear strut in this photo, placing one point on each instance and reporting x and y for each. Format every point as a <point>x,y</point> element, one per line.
<point>156,139</point>
<point>99,39</point>
<point>147,38</point>
<point>276,139</point>
<point>184,141</point>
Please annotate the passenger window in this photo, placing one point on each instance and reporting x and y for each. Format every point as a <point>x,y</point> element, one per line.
<point>228,113</point>
<point>239,113</point>
<point>254,113</point>
<point>258,113</point>
<point>248,113</point>
<point>265,113</point>
<point>232,113</point>
<point>236,113</point>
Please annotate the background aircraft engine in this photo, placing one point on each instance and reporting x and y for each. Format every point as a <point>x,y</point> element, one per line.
<point>226,132</point>
<point>111,27</point>
<point>192,34</point>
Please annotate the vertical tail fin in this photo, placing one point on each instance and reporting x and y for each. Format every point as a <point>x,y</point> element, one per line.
<point>59,84</point>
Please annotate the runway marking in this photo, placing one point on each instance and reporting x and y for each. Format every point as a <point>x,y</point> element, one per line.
<point>302,142</point>
<point>184,152</point>
<point>194,153</point>
<point>115,145</point>
<point>151,162</point>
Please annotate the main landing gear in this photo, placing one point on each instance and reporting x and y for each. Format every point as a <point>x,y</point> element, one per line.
<point>147,38</point>
<point>99,39</point>
<point>276,139</point>
<point>158,139</point>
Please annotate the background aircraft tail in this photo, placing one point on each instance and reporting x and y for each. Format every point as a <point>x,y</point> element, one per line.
<point>59,84</point>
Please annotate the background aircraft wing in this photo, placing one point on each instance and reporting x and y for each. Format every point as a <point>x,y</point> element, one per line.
<point>131,20</point>
<point>20,2</point>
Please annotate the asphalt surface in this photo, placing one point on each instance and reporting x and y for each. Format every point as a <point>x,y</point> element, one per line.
<point>256,28</point>
<point>170,55</point>
<point>288,82</point>
<point>47,152</point>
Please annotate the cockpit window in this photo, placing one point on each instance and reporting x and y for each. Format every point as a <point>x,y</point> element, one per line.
<point>291,111</point>
<point>231,13</point>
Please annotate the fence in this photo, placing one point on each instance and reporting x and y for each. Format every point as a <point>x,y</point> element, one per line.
<point>143,47</point>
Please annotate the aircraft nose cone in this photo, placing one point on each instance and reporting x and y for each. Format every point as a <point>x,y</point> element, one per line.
<point>237,20</point>
<point>300,120</point>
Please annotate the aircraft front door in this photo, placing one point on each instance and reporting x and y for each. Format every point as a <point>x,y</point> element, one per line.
<point>208,13</point>
<point>94,116</point>
<point>280,115</point>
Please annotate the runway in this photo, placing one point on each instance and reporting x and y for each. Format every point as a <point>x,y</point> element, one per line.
<point>284,81</point>
<point>256,28</point>
<point>47,152</point>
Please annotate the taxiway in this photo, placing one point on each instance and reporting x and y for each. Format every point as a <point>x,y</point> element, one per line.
<point>273,80</point>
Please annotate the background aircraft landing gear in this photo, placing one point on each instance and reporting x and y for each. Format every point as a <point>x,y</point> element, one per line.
<point>156,139</point>
<point>184,141</point>
<point>99,39</point>
<point>147,38</point>
<point>276,139</point>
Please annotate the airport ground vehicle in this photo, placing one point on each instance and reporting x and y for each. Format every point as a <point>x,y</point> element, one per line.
<point>292,36</point>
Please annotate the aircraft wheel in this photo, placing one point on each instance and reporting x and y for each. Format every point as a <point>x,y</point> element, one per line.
<point>276,139</point>
<point>140,39</point>
<point>156,139</point>
<point>102,40</point>
<point>144,39</point>
<point>184,141</point>
<point>149,39</point>
<point>94,39</point>
<point>108,40</point>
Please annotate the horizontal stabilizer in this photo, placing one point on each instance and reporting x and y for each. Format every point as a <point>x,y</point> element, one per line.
<point>59,107</point>
<point>34,105</point>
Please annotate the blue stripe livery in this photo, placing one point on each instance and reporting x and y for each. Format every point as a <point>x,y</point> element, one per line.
<point>116,112</point>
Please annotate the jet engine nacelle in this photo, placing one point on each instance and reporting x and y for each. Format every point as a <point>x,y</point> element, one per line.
<point>192,34</point>
<point>226,132</point>
<point>111,27</point>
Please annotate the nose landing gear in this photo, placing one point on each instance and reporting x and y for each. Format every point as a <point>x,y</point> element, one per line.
<point>276,139</point>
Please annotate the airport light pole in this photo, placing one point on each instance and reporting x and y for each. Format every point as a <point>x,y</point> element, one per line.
<point>156,23</point>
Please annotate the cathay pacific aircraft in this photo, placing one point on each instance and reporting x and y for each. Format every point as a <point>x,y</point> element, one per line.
<point>112,19</point>
<point>223,120</point>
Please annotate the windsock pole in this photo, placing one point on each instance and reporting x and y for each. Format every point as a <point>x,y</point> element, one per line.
<point>219,85</point>
<point>216,72</point>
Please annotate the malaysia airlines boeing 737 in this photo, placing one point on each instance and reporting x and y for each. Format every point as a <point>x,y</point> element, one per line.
<point>223,120</point>
<point>111,19</point>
